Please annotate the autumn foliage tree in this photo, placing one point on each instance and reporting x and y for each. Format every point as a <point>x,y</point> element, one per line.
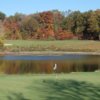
<point>52,25</point>
<point>29,28</point>
<point>12,28</point>
<point>45,20</point>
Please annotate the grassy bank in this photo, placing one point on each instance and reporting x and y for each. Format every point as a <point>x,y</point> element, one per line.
<point>66,45</point>
<point>73,86</point>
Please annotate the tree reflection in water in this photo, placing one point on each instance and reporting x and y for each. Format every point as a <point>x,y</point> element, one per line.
<point>63,66</point>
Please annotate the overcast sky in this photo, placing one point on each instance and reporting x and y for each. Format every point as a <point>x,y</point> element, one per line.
<point>10,7</point>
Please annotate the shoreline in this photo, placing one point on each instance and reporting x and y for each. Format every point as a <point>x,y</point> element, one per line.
<point>49,53</point>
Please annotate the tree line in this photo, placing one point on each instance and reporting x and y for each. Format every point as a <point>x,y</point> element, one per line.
<point>52,25</point>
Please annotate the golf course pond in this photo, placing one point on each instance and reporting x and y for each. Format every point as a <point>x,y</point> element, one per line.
<point>11,64</point>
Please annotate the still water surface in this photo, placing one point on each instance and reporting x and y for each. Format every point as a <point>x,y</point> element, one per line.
<point>45,64</point>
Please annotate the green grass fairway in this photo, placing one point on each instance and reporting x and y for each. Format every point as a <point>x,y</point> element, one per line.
<point>64,45</point>
<point>72,86</point>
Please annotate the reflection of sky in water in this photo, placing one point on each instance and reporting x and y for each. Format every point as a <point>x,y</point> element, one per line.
<point>61,57</point>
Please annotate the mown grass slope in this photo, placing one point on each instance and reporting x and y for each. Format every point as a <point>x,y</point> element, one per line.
<point>73,86</point>
<point>64,45</point>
